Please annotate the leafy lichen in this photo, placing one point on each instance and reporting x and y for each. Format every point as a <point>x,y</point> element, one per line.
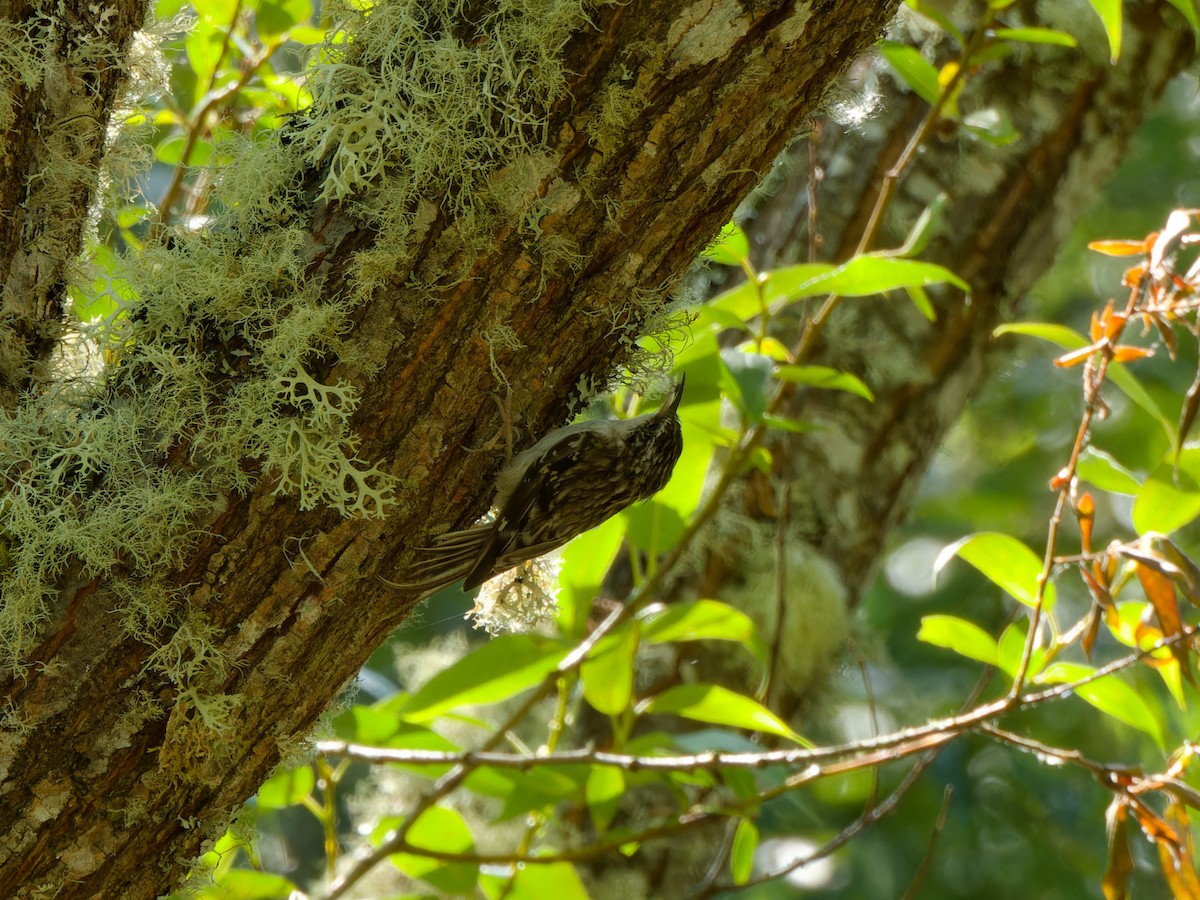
<point>214,359</point>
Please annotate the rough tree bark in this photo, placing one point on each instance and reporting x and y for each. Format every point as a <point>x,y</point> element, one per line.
<point>97,801</point>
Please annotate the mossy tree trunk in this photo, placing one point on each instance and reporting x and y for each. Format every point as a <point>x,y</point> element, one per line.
<point>114,775</point>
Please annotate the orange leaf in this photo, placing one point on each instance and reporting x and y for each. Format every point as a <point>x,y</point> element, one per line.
<point>1126,353</point>
<point>1085,511</point>
<point>1176,857</point>
<point>1119,248</point>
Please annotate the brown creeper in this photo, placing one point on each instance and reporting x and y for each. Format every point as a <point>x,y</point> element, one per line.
<point>571,480</point>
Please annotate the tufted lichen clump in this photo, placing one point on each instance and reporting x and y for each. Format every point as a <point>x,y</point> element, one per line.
<point>214,363</point>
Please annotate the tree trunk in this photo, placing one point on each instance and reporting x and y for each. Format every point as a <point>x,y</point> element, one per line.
<point>114,775</point>
<point>1008,210</point>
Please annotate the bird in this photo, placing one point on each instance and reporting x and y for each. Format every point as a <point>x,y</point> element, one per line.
<point>570,481</point>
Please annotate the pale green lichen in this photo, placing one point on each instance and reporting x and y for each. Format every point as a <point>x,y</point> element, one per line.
<point>213,363</point>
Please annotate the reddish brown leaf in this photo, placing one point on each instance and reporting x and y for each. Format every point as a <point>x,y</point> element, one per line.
<point>1161,594</point>
<point>1120,861</point>
<point>1166,333</point>
<point>1160,591</point>
<point>1187,415</point>
<point>1088,641</point>
<point>1186,574</point>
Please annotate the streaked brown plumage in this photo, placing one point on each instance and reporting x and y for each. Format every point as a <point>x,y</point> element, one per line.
<point>571,480</point>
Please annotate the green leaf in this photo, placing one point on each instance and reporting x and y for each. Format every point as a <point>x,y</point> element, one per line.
<point>1109,12</point>
<point>605,788</point>
<point>204,44</point>
<point>863,276</point>
<point>585,562</point>
<point>652,526</point>
<point>920,298</point>
<point>719,706</point>
<point>744,300</point>
<point>170,152</point>
<point>287,787</point>
<point>1011,647</point>
<point>608,671</point>
<point>1118,373</point>
<point>1004,561</point>
<point>699,620</point>
<point>1189,11</point>
<point>795,426</point>
<point>924,228</point>
<point>1110,695</point>
<point>930,10</point>
<point>1098,468</point>
<point>914,70</point>
<point>371,725</point>
<point>963,637</point>
<point>244,884</point>
<point>218,12</point>
<point>730,247</point>
<point>741,854</point>
<point>1036,36</point>
<point>1169,499</point>
<point>443,830</point>
<point>536,882</point>
<point>825,377</point>
<point>749,381</point>
<point>501,668</point>
<point>277,16</point>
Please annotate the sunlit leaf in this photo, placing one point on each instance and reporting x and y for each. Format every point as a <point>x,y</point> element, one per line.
<point>287,787</point>
<point>1169,499</point>
<point>1110,695</point>
<point>729,248</point>
<point>862,276</point>
<point>605,787</point>
<point>1011,647</point>
<point>1004,561</point>
<point>825,377</point>
<point>1036,36</point>
<point>914,70</point>
<point>741,854</point>
<point>963,637</point>
<point>698,620</point>
<point>277,16</point>
<point>1109,12</point>
<point>501,668</point>
<point>608,671</point>
<point>719,706</point>
<point>245,884</point>
<point>536,882</point>
<point>443,830</point>
<point>1098,468</point>
<point>585,562</point>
